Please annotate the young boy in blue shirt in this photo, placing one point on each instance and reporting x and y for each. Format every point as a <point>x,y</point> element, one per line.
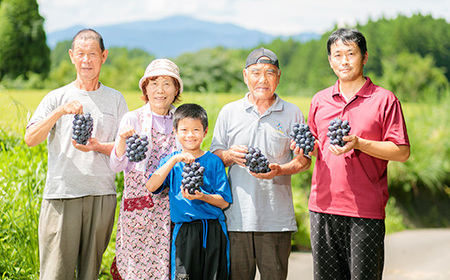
<point>200,245</point>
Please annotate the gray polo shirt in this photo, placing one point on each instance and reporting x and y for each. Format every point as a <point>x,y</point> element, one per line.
<point>258,205</point>
<point>71,172</point>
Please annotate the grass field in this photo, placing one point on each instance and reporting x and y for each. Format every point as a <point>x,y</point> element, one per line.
<point>18,105</point>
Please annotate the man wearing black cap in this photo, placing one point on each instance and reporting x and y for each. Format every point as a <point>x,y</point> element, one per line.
<point>261,219</point>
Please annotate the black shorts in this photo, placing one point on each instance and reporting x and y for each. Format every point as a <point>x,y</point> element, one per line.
<point>347,247</point>
<point>201,251</point>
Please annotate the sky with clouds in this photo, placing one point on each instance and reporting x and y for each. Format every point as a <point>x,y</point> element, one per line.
<point>276,17</point>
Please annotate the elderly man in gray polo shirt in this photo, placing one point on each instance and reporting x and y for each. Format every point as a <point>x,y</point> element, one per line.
<point>261,219</point>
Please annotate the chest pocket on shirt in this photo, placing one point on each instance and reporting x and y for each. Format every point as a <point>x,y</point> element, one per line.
<point>278,145</point>
<point>106,127</point>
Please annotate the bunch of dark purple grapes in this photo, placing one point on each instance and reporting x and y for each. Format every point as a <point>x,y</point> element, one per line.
<point>136,147</point>
<point>192,177</point>
<point>82,128</point>
<point>256,161</point>
<point>303,138</point>
<point>338,129</point>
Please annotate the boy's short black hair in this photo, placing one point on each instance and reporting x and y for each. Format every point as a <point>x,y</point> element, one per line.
<point>193,111</point>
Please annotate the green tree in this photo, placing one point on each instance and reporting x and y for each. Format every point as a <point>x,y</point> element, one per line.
<point>62,70</point>
<point>212,70</point>
<point>23,47</point>
<point>60,53</point>
<point>124,68</point>
<point>309,70</point>
<point>420,34</point>
<point>61,75</point>
<point>414,78</point>
<point>284,50</point>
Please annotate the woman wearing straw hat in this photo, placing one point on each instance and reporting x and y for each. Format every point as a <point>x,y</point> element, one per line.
<point>143,228</point>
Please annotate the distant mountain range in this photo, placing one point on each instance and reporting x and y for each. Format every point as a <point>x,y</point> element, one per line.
<point>175,35</point>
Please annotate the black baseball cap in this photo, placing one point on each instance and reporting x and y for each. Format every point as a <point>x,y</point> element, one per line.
<point>256,57</point>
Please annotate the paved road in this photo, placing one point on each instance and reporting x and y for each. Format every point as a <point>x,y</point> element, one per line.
<point>422,254</point>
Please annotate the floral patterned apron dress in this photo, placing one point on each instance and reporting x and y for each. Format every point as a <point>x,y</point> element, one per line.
<point>144,227</point>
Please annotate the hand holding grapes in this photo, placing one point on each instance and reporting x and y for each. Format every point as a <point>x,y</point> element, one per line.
<point>126,132</point>
<point>275,170</point>
<point>82,126</point>
<point>192,178</point>
<point>340,140</point>
<point>184,157</point>
<point>136,147</point>
<point>303,141</point>
<point>73,107</point>
<point>186,194</point>
<point>299,152</point>
<point>91,145</point>
<point>352,142</point>
<point>237,154</point>
<point>259,166</point>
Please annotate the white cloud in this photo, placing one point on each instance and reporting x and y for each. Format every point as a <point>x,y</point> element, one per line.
<point>280,17</point>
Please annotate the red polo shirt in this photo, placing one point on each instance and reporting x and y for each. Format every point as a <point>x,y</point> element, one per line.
<point>354,184</point>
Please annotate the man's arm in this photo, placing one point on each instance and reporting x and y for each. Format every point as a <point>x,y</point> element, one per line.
<point>385,150</point>
<point>94,145</point>
<point>38,132</point>
<point>298,164</point>
<point>236,154</point>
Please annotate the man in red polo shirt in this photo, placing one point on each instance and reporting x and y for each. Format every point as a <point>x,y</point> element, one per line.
<point>349,185</point>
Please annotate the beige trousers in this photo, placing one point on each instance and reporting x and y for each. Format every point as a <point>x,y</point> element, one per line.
<point>73,235</point>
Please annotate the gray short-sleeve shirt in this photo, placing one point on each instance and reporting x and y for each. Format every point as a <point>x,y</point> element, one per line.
<point>71,172</point>
<point>258,205</point>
